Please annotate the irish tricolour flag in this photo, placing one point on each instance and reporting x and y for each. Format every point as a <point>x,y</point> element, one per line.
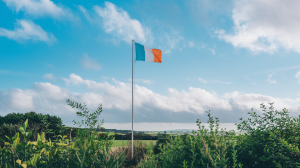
<point>147,54</point>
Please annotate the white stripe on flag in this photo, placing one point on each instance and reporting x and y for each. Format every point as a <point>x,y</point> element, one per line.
<point>149,56</point>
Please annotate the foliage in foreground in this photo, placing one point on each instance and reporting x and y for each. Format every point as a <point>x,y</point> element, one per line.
<point>85,150</point>
<point>91,152</point>
<point>271,140</point>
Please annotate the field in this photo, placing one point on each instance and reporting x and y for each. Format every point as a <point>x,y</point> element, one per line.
<point>121,143</point>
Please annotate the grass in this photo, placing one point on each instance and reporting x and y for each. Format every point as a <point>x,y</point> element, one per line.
<point>121,143</point>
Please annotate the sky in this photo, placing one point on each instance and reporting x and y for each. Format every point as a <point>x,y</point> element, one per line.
<point>224,56</point>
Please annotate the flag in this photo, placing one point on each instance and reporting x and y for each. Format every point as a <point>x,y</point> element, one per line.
<point>147,54</point>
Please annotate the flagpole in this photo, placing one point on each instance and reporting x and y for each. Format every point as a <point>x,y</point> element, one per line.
<point>132,105</point>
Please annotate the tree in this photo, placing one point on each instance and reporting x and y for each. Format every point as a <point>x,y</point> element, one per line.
<point>89,119</point>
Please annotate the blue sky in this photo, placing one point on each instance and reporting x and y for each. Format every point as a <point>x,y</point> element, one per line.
<point>223,56</point>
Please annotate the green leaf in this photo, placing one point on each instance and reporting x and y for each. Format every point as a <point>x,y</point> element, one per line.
<point>25,124</point>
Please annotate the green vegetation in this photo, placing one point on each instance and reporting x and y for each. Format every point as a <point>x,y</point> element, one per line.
<point>51,125</point>
<point>270,140</point>
<point>122,143</point>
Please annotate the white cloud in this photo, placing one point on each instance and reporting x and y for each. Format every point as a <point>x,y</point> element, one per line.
<point>150,106</point>
<point>88,63</point>
<point>27,30</point>
<point>298,76</point>
<point>265,25</point>
<point>121,26</point>
<point>271,80</point>
<point>17,99</point>
<point>39,8</point>
<point>213,81</point>
<point>43,97</point>
<point>118,97</point>
<point>49,76</point>
<point>248,101</point>
<point>117,22</point>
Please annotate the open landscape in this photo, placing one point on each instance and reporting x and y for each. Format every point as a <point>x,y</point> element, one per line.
<point>149,84</point>
<point>271,140</point>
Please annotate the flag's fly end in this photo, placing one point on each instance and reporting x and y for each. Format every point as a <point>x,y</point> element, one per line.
<point>147,54</point>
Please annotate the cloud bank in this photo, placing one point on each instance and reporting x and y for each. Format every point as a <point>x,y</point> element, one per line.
<point>176,107</point>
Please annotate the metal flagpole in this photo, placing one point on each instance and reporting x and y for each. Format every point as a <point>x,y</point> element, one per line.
<point>132,105</point>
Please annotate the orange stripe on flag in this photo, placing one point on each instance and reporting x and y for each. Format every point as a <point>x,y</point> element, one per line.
<point>157,55</point>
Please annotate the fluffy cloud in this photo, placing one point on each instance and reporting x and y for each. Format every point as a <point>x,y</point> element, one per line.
<point>16,98</point>
<point>117,96</point>
<point>88,63</point>
<point>116,21</point>
<point>196,100</point>
<point>27,30</point>
<point>265,25</point>
<point>175,107</point>
<point>42,98</point>
<point>121,26</point>
<point>39,8</point>
<point>247,101</point>
<point>49,76</point>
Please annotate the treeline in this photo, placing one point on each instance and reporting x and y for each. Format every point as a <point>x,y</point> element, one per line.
<point>51,125</point>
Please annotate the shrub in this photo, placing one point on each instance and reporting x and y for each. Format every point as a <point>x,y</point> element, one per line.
<point>271,139</point>
<point>160,143</point>
<point>205,148</point>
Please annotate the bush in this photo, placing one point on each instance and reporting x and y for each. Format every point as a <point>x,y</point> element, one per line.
<point>160,143</point>
<point>205,148</point>
<point>271,140</point>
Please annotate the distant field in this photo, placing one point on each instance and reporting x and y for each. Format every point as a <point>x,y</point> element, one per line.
<point>120,143</point>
